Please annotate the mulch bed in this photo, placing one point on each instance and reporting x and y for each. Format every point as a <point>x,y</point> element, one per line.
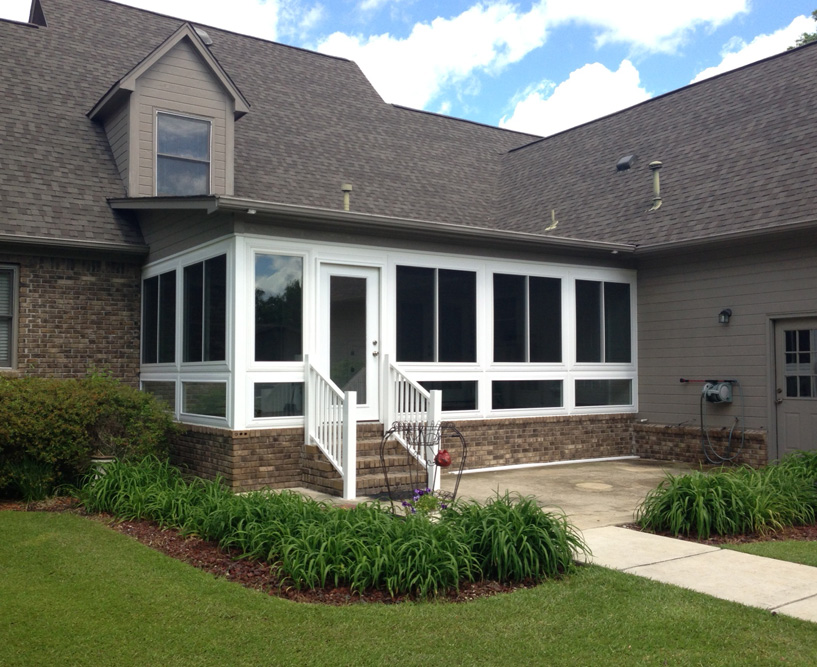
<point>253,574</point>
<point>800,533</point>
<point>260,576</point>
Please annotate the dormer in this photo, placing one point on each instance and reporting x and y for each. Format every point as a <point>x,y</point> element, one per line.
<point>170,120</point>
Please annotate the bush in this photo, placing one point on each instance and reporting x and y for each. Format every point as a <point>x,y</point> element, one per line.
<point>50,429</point>
<point>315,544</point>
<point>733,501</point>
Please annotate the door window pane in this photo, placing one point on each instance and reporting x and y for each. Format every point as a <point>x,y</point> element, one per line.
<point>799,371</point>
<point>278,308</point>
<point>347,334</point>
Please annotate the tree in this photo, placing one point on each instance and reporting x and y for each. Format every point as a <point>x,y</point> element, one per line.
<point>806,37</point>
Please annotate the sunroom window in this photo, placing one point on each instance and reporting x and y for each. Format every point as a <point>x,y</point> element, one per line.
<point>527,319</point>
<point>159,319</point>
<point>278,308</point>
<point>182,155</point>
<point>205,310</point>
<point>436,315</point>
<point>603,331</point>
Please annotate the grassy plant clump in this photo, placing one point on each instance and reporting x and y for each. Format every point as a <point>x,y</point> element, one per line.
<point>317,545</point>
<point>733,501</point>
<point>513,539</point>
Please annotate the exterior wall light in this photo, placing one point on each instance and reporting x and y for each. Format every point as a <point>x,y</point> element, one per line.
<point>724,315</point>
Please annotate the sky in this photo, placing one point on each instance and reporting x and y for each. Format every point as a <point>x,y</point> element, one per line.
<point>539,67</point>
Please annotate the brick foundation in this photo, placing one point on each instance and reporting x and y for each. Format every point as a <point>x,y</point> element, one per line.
<point>247,460</point>
<point>502,442</point>
<point>683,443</point>
<point>77,314</point>
<point>277,458</point>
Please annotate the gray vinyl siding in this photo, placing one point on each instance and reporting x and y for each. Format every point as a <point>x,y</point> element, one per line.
<point>679,298</point>
<point>171,232</point>
<point>116,128</point>
<point>181,82</point>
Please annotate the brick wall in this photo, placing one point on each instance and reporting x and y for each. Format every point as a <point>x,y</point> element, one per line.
<point>277,458</point>
<point>501,442</point>
<point>77,314</point>
<point>247,460</point>
<point>683,443</point>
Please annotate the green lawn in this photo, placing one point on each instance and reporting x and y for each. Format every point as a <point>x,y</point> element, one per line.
<point>72,592</point>
<point>796,551</point>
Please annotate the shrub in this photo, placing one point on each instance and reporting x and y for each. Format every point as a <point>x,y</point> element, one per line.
<point>55,426</point>
<point>732,501</point>
<point>315,544</point>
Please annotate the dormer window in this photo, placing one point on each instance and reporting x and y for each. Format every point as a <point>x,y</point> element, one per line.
<point>182,155</point>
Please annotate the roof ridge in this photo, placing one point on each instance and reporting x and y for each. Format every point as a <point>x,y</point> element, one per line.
<point>674,91</point>
<point>223,30</point>
<point>465,120</point>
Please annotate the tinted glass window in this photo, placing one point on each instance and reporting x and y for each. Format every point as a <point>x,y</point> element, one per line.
<point>278,308</point>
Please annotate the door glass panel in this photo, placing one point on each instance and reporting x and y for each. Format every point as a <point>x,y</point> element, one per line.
<point>347,335</point>
<point>799,370</point>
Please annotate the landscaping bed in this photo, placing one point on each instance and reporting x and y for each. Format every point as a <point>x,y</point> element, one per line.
<point>254,574</point>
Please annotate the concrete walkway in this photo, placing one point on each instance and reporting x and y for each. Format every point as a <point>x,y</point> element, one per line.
<point>778,586</point>
<point>600,496</point>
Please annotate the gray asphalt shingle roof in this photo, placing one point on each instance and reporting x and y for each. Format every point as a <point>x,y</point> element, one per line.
<point>737,150</point>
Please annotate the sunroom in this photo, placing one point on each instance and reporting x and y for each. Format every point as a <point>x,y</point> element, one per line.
<point>250,331</point>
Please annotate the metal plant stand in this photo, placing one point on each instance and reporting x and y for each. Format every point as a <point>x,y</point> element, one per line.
<point>425,457</point>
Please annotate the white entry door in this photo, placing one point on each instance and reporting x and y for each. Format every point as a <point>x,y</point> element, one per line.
<point>796,386</point>
<point>349,332</point>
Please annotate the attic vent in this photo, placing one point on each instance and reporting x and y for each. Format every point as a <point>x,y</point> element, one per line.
<point>625,163</point>
<point>201,32</point>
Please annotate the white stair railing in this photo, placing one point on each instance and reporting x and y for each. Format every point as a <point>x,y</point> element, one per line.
<point>406,402</point>
<point>331,424</point>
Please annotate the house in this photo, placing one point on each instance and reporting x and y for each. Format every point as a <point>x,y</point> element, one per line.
<point>247,230</point>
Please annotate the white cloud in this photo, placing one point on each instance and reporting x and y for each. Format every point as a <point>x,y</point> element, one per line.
<point>648,25</point>
<point>369,5</point>
<point>738,53</point>
<point>590,92</point>
<point>412,71</point>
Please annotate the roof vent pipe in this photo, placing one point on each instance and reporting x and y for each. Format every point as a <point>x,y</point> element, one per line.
<point>346,188</point>
<point>656,186</point>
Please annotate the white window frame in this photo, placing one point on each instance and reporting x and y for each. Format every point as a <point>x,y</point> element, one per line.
<point>157,155</point>
<point>13,318</point>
